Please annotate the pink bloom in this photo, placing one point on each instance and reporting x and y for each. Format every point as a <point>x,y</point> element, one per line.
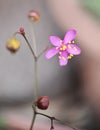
<point>64,48</point>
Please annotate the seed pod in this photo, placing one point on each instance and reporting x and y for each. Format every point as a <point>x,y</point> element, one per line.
<point>13,44</point>
<point>33,15</point>
<point>43,102</point>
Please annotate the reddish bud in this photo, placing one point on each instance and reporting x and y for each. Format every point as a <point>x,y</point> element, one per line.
<point>33,15</point>
<point>22,30</point>
<point>43,102</point>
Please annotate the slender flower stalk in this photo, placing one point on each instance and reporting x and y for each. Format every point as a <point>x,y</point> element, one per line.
<point>35,63</point>
<point>33,37</point>
<point>35,68</point>
<point>35,79</point>
<point>29,46</point>
<point>33,17</point>
<point>35,60</point>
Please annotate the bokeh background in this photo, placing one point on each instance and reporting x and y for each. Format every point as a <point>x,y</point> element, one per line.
<point>74,89</point>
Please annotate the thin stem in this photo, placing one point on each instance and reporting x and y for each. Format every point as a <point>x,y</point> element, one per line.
<point>35,76</point>
<point>35,70</point>
<point>33,120</point>
<point>33,37</point>
<point>34,117</point>
<point>52,127</point>
<point>35,80</point>
<point>35,65</point>
<point>29,46</point>
<point>42,52</point>
<point>34,56</point>
<point>53,118</point>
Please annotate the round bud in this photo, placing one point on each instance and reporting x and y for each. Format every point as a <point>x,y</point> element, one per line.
<point>22,30</point>
<point>33,15</point>
<point>13,44</point>
<point>43,102</point>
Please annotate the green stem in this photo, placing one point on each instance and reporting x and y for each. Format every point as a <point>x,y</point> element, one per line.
<point>35,80</point>
<point>29,46</point>
<point>35,67</point>
<point>33,37</point>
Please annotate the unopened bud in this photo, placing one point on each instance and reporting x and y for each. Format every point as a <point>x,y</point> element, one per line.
<point>22,30</point>
<point>33,15</point>
<point>13,44</point>
<point>43,102</point>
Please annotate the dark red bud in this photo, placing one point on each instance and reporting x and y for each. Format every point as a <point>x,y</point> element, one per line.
<point>43,102</point>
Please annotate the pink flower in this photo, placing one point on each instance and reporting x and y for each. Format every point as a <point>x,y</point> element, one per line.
<point>66,48</point>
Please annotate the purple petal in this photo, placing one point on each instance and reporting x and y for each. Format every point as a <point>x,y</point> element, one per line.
<point>51,52</point>
<point>69,36</point>
<point>73,49</point>
<point>63,59</point>
<point>56,41</point>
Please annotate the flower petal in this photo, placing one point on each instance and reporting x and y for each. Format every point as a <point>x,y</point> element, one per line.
<point>56,41</point>
<point>69,36</point>
<point>63,59</point>
<point>51,52</point>
<point>73,49</point>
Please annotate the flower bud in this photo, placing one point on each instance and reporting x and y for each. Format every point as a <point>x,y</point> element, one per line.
<point>22,30</point>
<point>33,15</point>
<point>43,102</point>
<point>13,44</point>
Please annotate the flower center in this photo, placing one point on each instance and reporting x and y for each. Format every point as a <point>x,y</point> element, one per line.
<point>63,48</point>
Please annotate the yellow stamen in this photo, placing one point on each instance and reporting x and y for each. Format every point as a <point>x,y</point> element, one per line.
<point>71,55</point>
<point>59,57</point>
<point>75,48</point>
<point>57,48</point>
<point>60,52</point>
<point>69,46</point>
<point>64,47</point>
<point>61,41</point>
<point>63,58</point>
<point>61,49</point>
<point>73,41</point>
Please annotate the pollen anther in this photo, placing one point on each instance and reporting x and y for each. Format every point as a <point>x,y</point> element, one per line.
<point>60,52</point>
<point>71,55</point>
<point>59,57</point>
<point>73,41</point>
<point>63,58</point>
<point>56,48</point>
<point>69,46</point>
<point>61,41</point>
<point>75,48</point>
<point>61,49</point>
